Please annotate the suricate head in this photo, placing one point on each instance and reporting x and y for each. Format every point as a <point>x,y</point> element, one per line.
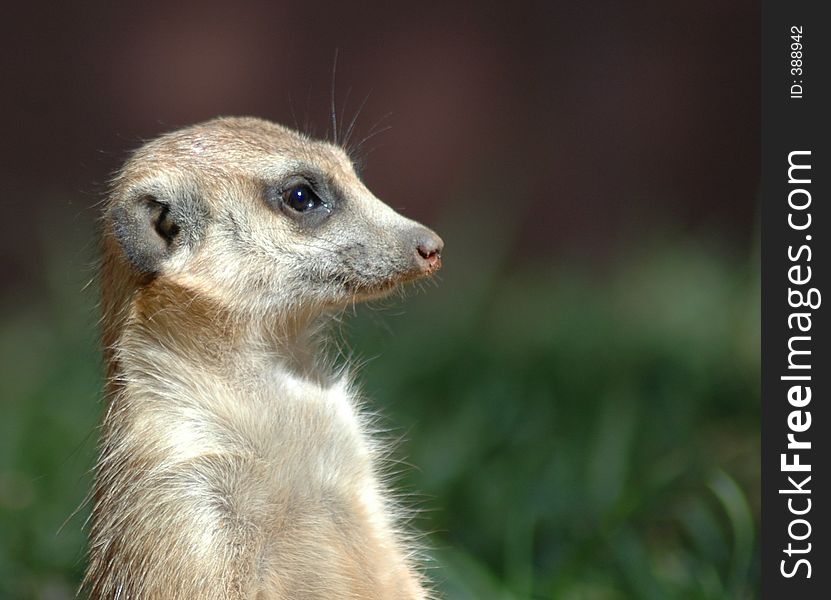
<point>260,219</point>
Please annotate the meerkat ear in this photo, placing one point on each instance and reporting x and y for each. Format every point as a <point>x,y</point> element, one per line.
<point>147,229</point>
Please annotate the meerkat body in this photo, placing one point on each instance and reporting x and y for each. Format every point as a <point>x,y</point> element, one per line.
<point>234,463</point>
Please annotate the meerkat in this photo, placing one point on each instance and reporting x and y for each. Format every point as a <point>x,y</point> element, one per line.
<point>235,463</point>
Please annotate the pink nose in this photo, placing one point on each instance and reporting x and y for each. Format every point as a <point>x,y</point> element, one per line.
<point>428,249</point>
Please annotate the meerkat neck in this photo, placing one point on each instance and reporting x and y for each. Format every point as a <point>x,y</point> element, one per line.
<point>162,317</point>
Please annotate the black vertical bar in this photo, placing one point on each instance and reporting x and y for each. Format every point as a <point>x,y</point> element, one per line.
<point>795,107</point>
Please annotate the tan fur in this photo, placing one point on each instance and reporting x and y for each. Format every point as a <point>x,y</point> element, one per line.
<point>234,464</point>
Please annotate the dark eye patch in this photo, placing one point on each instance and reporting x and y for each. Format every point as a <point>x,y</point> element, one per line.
<point>307,198</point>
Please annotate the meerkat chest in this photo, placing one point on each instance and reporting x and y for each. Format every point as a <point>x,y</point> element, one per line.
<point>315,432</point>
<point>293,432</point>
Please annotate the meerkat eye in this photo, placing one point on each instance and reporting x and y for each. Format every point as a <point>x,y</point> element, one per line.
<point>301,198</point>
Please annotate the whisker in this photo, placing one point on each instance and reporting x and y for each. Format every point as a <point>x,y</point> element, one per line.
<point>364,155</point>
<point>306,121</point>
<point>374,131</point>
<point>343,113</point>
<point>351,128</point>
<point>332,99</point>
<point>293,114</point>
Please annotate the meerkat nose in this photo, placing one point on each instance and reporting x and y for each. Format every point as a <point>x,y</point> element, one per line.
<point>428,250</point>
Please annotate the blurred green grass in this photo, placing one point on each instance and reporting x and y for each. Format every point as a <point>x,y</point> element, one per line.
<point>576,431</point>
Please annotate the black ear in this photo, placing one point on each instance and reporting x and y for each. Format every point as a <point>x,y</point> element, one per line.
<point>147,230</point>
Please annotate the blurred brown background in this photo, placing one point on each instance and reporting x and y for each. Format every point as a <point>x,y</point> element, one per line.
<point>578,395</point>
<point>602,117</point>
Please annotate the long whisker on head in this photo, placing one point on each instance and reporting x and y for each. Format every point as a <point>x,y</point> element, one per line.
<point>332,100</point>
<point>373,132</point>
<point>343,113</point>
<point>293,114</point>
<point>307,128</point>
<point>354,120</point>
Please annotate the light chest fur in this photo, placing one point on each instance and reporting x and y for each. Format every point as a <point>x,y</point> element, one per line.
<point>249,450</point>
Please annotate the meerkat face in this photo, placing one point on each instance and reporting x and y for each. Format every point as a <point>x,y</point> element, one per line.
<point>258,217</point>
